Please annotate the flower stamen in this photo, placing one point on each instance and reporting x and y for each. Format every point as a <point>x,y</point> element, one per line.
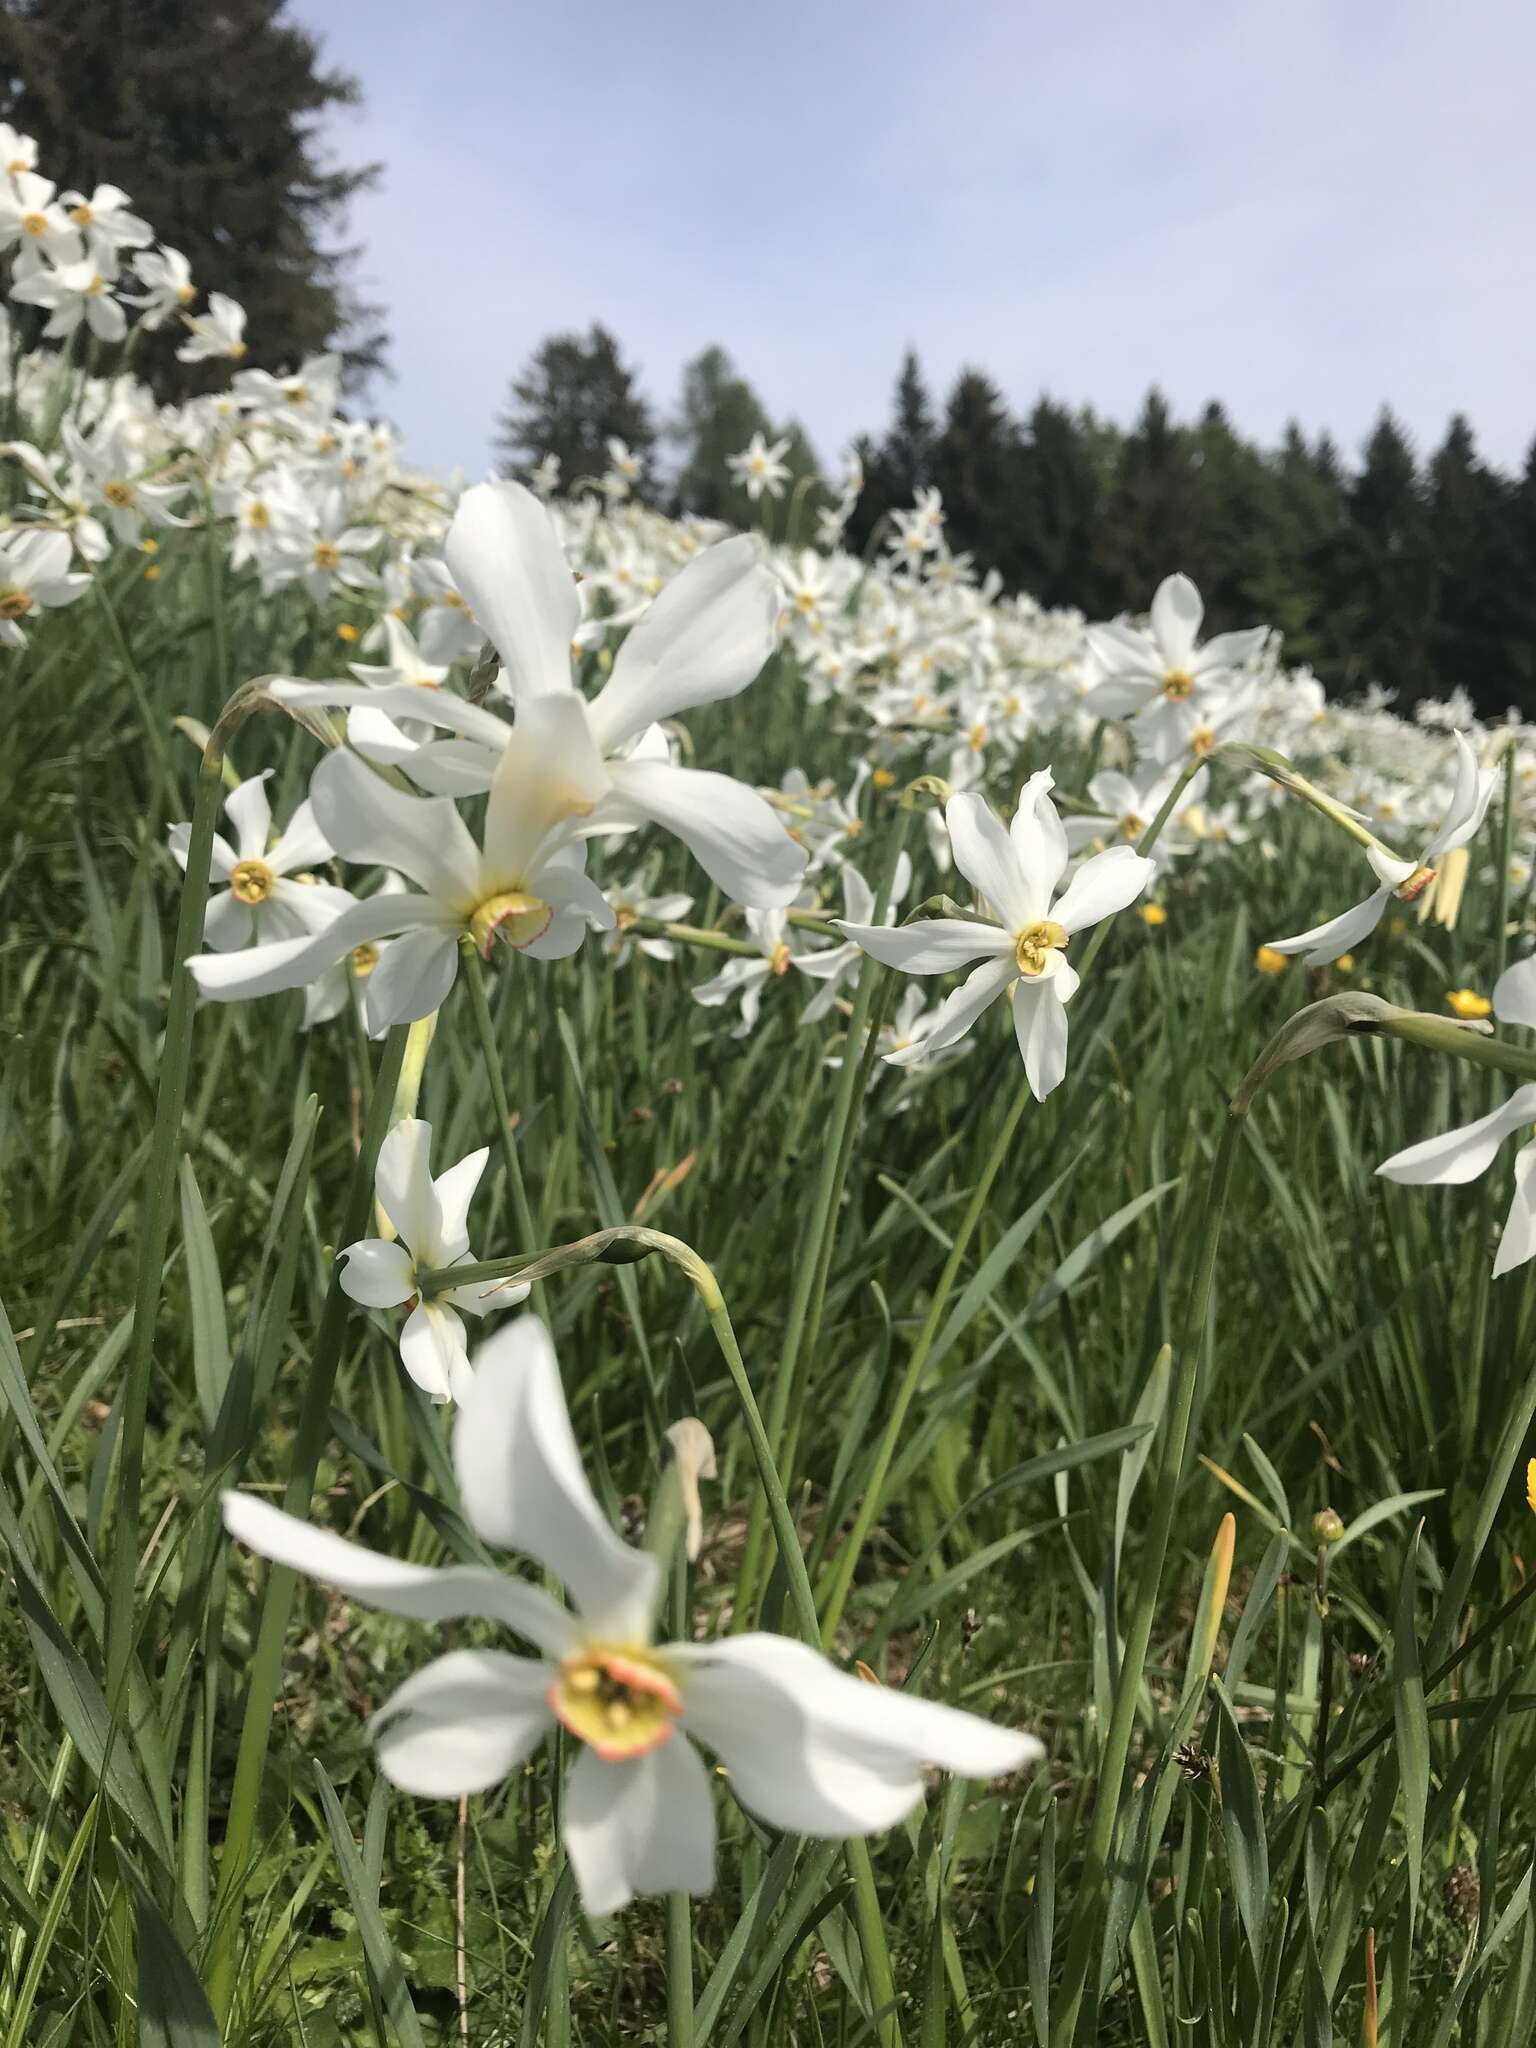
<point>619,1702</point>
<point>1035,945</point>
<point>252,881</point>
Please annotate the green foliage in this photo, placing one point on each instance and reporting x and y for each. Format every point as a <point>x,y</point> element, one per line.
<point>1364,1770</point>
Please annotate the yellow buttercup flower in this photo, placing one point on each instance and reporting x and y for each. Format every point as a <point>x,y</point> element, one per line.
<point>1466,1002</point>
<point>883,778</point>
<point>347,633</point>
<point>1153,914</point>
<point>1268,961</point>
<point>1345,963</point>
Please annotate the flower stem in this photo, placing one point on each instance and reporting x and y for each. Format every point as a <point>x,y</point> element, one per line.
<point>486,1031</point>
<point>815,1248</point>
<point>159,1201</point>
<point>1154,1553</point>
<point>264,1673</point>
<point>869,1507</point>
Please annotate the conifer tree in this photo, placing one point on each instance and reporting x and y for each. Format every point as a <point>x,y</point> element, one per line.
<point>1156,518</point>
<point>574,395</point>
<point>717,416</point>
<point>975,465</point>
<point>207,117</point>
<point>1382,584</point>
<point>1063,466</point>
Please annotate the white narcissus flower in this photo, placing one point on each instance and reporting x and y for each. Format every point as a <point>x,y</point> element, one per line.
<point>430,1219</point>
<point>743,980</point>
<point>74,293</point>
<point>18,152</point>
<point>1464,814</point>
<point>705,638</point>
<point>525,888</point>
<point>1466,1154</point>
<point>218,332</point>
<point>34,571</point>
<point>107,221</point>
<point>1160,677</point>
<point>630,902</point>
<point>166,276</point>
<point>262,900</point>
<point>1021,941</point>
<point>759,468</point>
<point>32,220</point>
<point>1125,805</point>
<point>1455,1157</point>
<point>807,1748</point>
<point>834,965</point>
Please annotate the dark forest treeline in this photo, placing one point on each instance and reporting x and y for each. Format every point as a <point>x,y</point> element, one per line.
<point>1416,575</point>
<point>1412,574</point>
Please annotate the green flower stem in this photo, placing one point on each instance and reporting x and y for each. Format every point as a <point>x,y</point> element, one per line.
<point>695,935</point>
<point>1144,845</point>
<point>1445,1034</point>
<point>852,1546</point>
<point>1275,765</point>
<point>213,565</point>
<point>870,1922</point>
<point>158,1197</point>
<point>485,1029</point>
<point>814,1253</point>
<point>264,1673</point>
<point>1154,1552</point>
<point>154,738</point>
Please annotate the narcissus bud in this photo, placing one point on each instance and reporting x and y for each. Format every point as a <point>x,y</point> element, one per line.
<point>1327,1526</point>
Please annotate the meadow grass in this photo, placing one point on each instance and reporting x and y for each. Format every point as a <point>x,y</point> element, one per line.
<point>1324,1827</point>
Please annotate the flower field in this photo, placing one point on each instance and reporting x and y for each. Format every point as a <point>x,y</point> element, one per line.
<point>749,1295</point>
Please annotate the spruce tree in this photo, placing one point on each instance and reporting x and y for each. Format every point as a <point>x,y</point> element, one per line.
<point>1157,517</point>
<point>717,416</point>
<point>1063,465</point>
<point>575,393</point>
<point>1381,586</point>
<point>975,464</point>
<point>1476,575</point>
<point>900,465</point>
<point>207,117</point>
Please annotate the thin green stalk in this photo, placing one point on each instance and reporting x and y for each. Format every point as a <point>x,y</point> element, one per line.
<point>264,1673</point>
<point>679,1905</point>
<point>1087,1917</point>
<point>154,738</point>
<point>485,1030</point>
<point>869,1507</point>
<point>159,1198</point>
<point>870,1922</point>
<point>815,1249</point>
<point>213,564</point>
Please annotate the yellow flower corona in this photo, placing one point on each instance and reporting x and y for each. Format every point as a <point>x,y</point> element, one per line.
<point>619,1702</point>
<point>1036,943</point>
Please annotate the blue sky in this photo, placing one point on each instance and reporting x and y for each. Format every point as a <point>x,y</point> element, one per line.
<point>1302,210</point>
